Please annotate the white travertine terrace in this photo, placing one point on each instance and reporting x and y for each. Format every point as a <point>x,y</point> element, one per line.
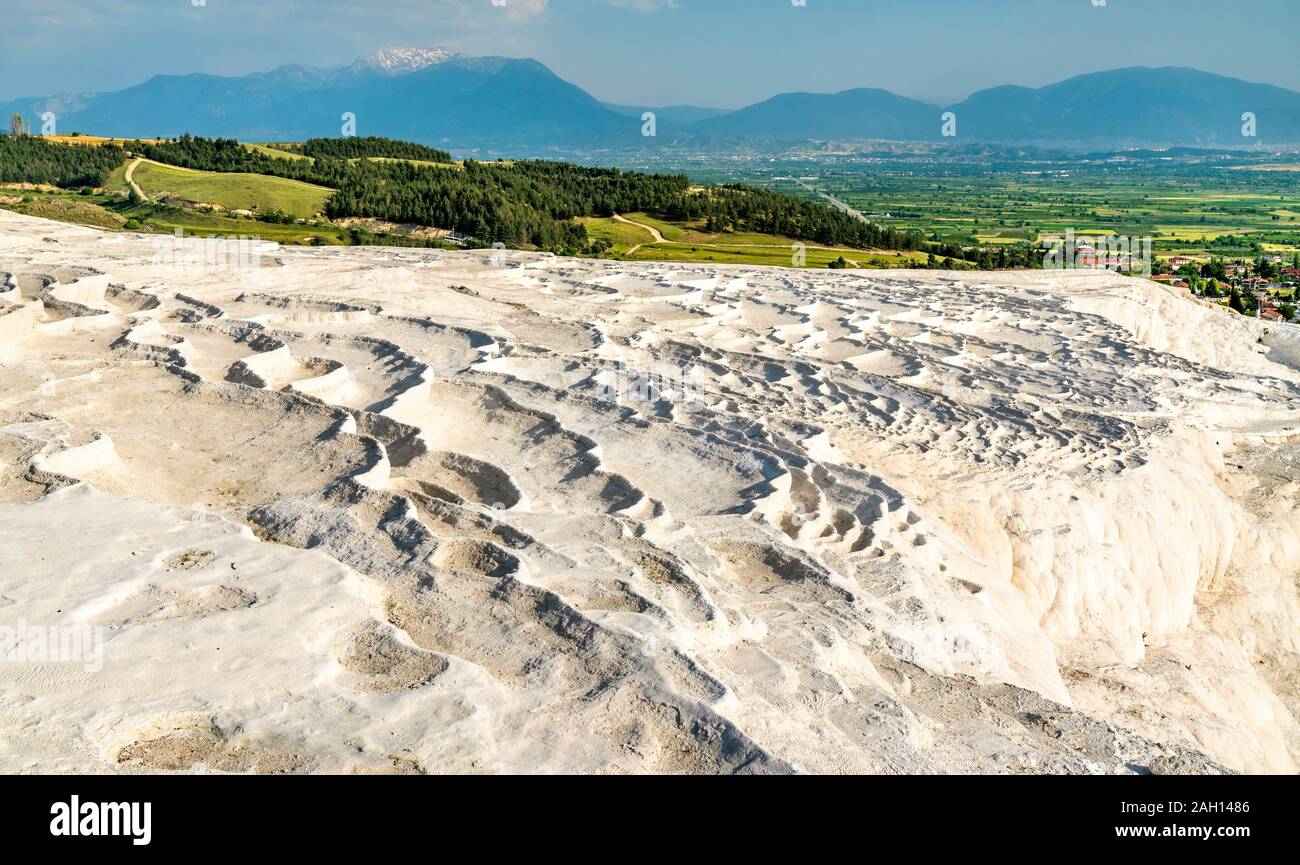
<point>373,509</point>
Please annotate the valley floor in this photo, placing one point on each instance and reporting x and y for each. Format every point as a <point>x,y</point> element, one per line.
<point>398,510</point>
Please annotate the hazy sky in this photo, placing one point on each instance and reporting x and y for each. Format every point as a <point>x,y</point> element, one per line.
<point>724,53</point>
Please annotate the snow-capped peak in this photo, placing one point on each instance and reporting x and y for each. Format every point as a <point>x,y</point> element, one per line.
<point>400,61</point>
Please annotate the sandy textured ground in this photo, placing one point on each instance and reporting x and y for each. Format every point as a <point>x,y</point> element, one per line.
<point>383,510</point>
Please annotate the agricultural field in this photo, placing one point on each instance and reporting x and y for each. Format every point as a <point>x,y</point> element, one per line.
<point>1181,218</point>
<point>90,140</point>
<point>1189,204</point>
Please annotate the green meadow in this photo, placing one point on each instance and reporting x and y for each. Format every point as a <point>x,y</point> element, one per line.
<point>256,192</point>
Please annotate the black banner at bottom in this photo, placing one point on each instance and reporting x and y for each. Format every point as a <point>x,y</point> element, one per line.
<point>211,814</point>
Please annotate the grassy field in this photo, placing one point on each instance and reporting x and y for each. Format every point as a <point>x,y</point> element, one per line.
<point>279,153</point>
<point>166,219</point>
<point>112,210</point>
<point>275,152</point>
<point>116,180</point>
<point>422,162</point>
<point>68,208</point>
<point>233,191</point>
<point>689,242</point>
<point>619,235</point>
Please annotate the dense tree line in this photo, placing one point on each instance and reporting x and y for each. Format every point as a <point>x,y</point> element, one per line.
<point>518,204</point>
<point>227,154</point>
<point>745,208</point>
<point>28,159</point>
<point>356,147</point>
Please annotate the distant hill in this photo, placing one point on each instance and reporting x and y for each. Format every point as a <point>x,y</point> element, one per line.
<point>1135,105</point>
<point>461,102</point>
<point>860,113</point>
<point>1123,106</point>
<point>520,106</point>
<point>167,105</point>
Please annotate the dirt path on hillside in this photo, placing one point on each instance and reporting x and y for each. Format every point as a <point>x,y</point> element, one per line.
<point>130,179</point>
<point>659,238</point>
<point>130,172</point>
<point>654,232</point>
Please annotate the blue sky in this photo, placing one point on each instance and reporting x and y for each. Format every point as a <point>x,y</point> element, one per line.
<point>724,53</point>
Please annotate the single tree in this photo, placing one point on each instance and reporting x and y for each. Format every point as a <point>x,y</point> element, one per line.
<point>1234,302</point>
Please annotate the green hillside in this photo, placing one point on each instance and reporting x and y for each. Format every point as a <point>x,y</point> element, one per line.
<point>256,192</point>
<point>380,191</point>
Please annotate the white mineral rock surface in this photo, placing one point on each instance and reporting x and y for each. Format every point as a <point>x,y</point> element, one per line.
<point>376,510</point>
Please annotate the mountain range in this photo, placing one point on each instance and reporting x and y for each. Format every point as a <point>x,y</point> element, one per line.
<point>520,106</point>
